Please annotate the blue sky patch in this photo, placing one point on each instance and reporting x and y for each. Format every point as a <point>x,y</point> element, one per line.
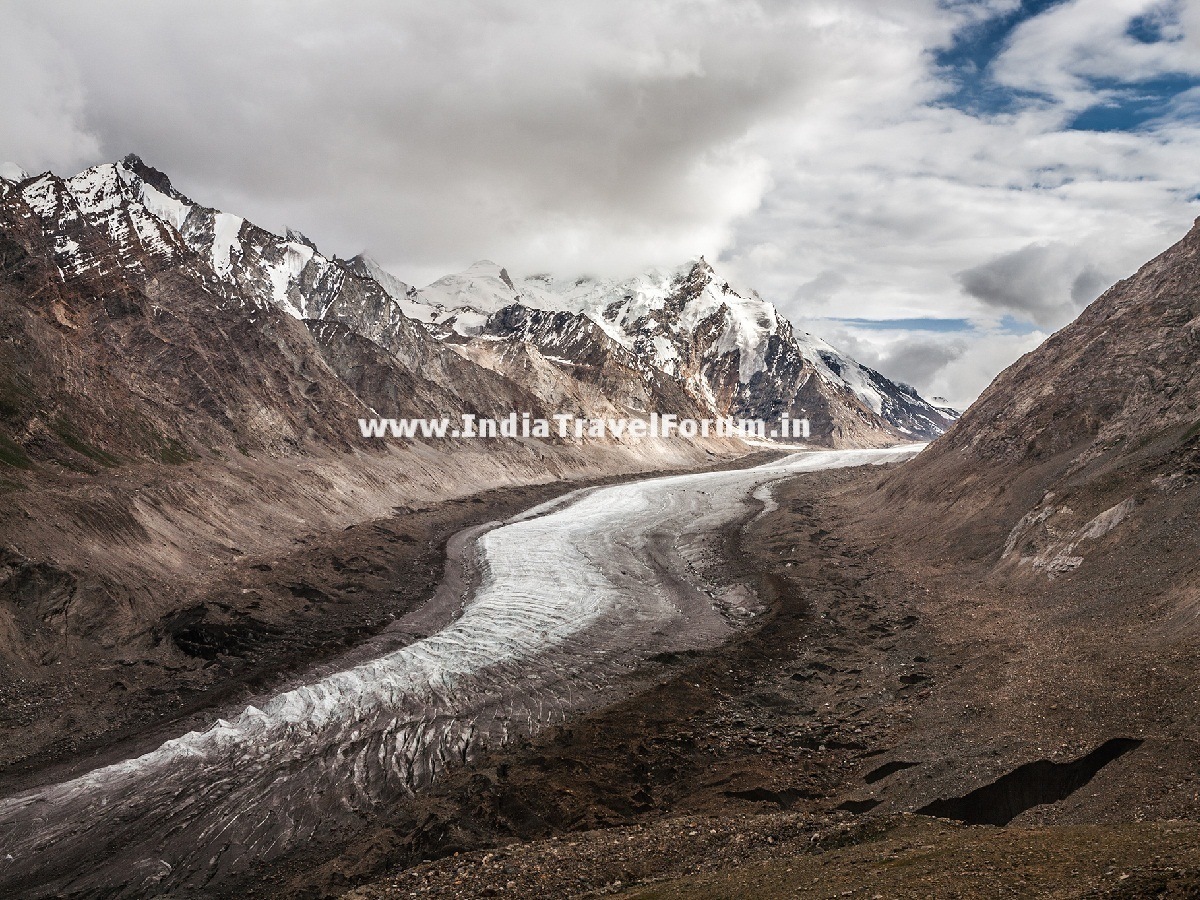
<point>967,60</point>
<point>1013,325</point>
<point>1130,107</point>
<point>1156,26</point>
<point>1126,105</point>
<point>922,324</point>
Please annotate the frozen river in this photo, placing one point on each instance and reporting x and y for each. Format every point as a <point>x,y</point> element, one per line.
<point>538,617</point>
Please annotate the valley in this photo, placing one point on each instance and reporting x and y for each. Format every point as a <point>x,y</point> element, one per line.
<point>545,611</point>
<point>249,651</point>
<point>803,759</point>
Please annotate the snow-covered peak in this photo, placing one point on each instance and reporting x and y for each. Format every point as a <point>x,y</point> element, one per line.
<point>10,171</point>
<point>482,287</point>
<point>727,348</point>
<point>483,268</point>
<point>150,225</point>
<point>98,189</point>
<point>463,301</point>
<point>653,314</point>
<point>293,236</point>
<point>369,268</point>
<point>104,197</point>
<point>670,304</point>
<point>689,322</point>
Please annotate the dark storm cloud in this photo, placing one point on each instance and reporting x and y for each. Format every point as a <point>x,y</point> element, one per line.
<point>418,128</point>
<point>916,360</point>
<point>1046,284</point>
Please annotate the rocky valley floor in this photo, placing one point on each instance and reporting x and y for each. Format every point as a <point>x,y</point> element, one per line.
<point>1058,740</point>
<point>1051,723</point>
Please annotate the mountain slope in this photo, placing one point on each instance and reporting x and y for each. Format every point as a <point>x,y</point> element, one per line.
<point>1052,539</point>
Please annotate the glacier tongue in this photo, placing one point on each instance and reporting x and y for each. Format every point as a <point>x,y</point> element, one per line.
<point>568,597</point>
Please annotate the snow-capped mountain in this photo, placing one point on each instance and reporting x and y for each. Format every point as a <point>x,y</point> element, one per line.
<point>680,340</point>
<point>182,331</point>
<point>151,226</point>
<point>732,351</point>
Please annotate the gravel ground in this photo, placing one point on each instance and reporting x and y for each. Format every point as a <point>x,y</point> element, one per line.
<point>790,763</point>
<point>793,856</point>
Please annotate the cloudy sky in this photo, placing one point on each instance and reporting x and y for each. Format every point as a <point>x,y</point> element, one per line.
<point>934,185</point>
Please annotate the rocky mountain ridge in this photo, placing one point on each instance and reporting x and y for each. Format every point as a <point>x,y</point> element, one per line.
<point>732,351</point>
<point>681,341</point>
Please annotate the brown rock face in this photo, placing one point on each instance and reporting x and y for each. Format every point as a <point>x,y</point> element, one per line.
<point>1051,540</point>
<point>576,366</point>
<point>1105,410</point>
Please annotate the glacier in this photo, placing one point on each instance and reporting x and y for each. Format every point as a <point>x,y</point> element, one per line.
<point>537,618</point>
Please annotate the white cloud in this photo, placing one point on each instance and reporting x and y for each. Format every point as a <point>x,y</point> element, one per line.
<point>965,376</point>
<point>1047,283</point>
<point>954,366</point>
<point>1060,52</point>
